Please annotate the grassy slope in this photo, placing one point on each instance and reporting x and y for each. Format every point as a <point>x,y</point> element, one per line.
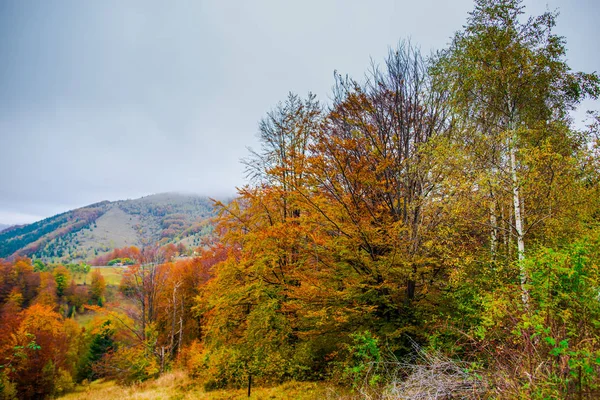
<point>177,385</point>
<point>114,229</point>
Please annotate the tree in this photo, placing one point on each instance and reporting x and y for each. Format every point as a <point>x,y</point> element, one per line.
<point>336,228</point>
<point>85,268</point>
<point>513,88</point>
<point>62,277</point>
<point>19,275</point>
<point>97,288</point>
<point>48,291</point>
<point>39,266</point>
<point>374,200</point>
<point>44,339</point>
<point>102,342</point>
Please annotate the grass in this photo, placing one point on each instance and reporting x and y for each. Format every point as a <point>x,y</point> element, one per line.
<point>112,275</point>
<point>177,385</point>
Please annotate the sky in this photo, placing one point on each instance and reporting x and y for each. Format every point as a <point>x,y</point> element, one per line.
<point>117,99</point>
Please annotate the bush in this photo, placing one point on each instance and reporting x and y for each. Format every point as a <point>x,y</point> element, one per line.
<point>551,348</point>
<point>8,389</point>
<point>63,382</point>
<point>193,359</point>
<point>128,365</point>
<point>363,352</point>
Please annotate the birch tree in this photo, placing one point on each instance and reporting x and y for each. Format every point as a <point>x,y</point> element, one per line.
<point>511,82</point>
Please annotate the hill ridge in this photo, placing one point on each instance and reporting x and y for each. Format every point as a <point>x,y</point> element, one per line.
<point>86,232</point>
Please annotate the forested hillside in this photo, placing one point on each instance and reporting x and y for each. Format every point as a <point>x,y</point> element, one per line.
<point>432,232</point>
<point>90,232</point>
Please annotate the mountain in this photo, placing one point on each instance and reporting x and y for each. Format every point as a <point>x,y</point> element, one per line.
<point>85,233</point>
<point>4,226</point>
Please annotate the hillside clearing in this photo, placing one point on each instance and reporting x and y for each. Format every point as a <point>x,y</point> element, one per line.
<point>112,275</point>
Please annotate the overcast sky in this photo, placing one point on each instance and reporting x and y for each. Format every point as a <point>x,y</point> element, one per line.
<point>108,100</point>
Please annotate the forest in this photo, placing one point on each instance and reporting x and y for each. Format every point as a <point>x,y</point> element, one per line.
<point>432,232</point>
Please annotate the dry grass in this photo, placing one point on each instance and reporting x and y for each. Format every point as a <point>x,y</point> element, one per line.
<point>177,385</point>
<point>428,376</point>
<point>436,378</point>
<point>114,229</point>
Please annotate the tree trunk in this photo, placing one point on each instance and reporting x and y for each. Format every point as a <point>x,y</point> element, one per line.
<point>518,222</point>
<point>494,227</point>
<point>174,320</point>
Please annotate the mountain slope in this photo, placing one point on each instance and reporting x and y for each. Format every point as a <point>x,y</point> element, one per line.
<point>87,232</point>
<point>4,226</point>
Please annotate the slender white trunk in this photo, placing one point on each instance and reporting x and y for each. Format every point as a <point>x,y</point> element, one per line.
<point>493,211</point>
<point>494,226</point>
<point>493,215</point>
<point>518,221</point>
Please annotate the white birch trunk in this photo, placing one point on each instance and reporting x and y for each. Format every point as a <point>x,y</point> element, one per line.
<point>518,222</point>
<point>494,228</point>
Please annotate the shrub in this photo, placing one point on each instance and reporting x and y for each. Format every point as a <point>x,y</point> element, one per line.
<point>63,382</point>
<point>363,352</point>
<point>550,349</point>
<point>8,389</point>
<point>128,365</point>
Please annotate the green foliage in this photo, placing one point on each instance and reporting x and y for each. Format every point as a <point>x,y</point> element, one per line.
<point>101,343</point>
<point>123,261</point>
<point>125,362</point>
<point>39,266</point>
<point>556,342</point>
<point>81,268</point>
<point>62,278</point>
<point>224,367</point>
<point>363,355</point>
<point>130,365</point>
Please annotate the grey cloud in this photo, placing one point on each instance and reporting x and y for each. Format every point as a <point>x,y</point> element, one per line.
<point>119,99</point>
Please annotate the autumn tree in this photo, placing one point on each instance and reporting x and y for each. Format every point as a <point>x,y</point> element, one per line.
<point>375,191</point>
<point>77,297</point>
<point>45,340</point>
<point>20,276</point>
<point>48,292</point>
<point>97,288</point>
<point>263,243</point>
<point>530,195</point>
<point>176,324</point>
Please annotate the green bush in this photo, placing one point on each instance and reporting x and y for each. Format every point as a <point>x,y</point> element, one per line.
<point>363,354</point>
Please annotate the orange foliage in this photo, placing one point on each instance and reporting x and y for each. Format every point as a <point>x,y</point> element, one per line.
<point>38,349</point>
<point>19,275</point>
